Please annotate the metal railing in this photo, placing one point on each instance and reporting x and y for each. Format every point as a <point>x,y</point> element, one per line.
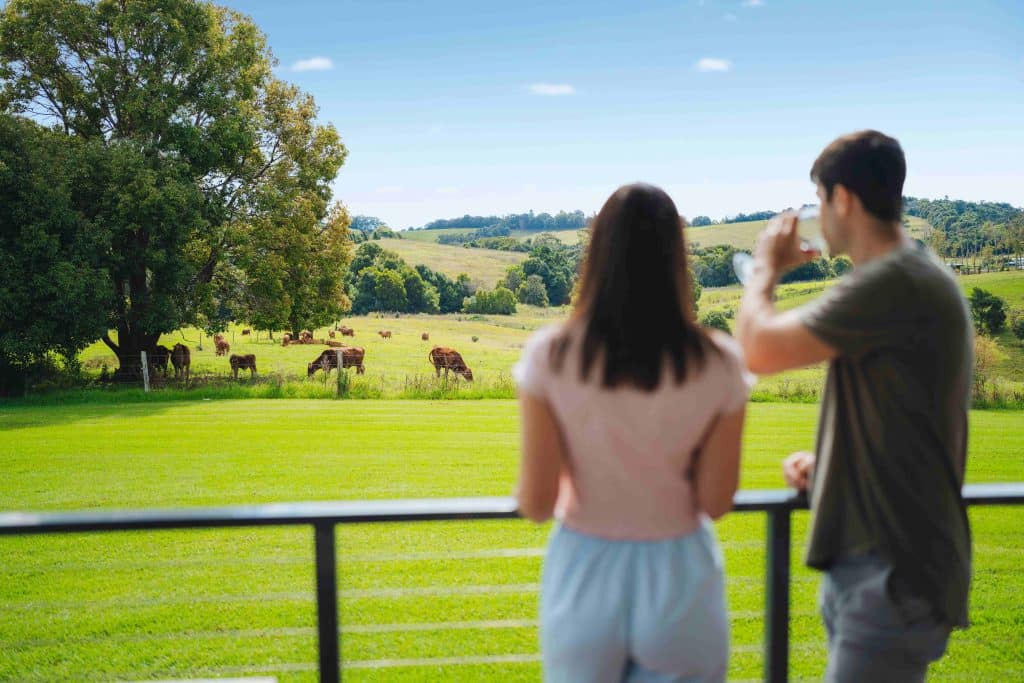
<point>323,517</point>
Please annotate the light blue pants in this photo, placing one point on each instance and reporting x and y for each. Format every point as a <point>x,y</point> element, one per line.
<point>634,611</point>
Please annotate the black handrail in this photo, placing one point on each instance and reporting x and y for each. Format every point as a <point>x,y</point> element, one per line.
<point>323,517</point>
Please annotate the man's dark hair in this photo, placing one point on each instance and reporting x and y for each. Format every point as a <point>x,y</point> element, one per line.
<point>869,164</point>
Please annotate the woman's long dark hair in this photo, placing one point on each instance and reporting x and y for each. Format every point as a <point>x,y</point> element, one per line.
<point>635,296</point>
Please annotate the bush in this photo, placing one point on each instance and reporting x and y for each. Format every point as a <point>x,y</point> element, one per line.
<point>988,312</point>
<point>1017,324</point>
<point>841,265</point>
<point>533,291</point>
<point>500,301</point>
<point>986,355</point>
<point>715,320</point>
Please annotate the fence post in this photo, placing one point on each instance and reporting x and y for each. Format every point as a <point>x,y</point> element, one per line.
<point>327,603</point>
<point>776,604</point>
<point>145,372</point>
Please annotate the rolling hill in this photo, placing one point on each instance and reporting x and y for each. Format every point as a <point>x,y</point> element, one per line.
<point>484,266</point>
<point>740,235</point>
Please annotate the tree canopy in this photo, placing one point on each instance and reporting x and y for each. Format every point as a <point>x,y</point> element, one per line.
<point>206,174</point>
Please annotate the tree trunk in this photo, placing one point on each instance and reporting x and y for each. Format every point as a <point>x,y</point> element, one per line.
<point>130,344</point>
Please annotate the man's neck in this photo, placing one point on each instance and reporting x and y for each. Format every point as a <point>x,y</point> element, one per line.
<point>875,242</point>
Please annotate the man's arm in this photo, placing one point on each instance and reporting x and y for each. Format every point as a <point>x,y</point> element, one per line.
<point>774,341</point>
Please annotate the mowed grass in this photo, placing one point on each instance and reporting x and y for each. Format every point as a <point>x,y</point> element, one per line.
<point>419,602</point>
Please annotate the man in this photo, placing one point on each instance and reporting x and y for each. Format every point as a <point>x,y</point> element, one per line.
<point>889,525</point>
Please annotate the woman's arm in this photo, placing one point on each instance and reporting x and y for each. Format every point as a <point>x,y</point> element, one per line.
<point>541,465</point>
<point>716,467</point>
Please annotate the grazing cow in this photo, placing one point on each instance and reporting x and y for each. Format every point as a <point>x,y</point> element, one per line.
<point>449,359</point>
<point>384,334</point>
<point>351,357</point>
<point>425,337</point>
<point>181,359</point>
<point>334,344</point>
<point>286,339</point>
<point>346,331</point>
<point>159,357</point>
<point>246,332</point>
<point>306,337</point>
<point>330,333</point>
<point>244,362</point>
<point>222,347</point>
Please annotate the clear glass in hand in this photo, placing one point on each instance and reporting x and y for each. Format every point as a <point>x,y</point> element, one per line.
<point>808,228</point>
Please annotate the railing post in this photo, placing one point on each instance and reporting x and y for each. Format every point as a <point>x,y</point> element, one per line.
<point>776,610</point>
<point>327,603</point>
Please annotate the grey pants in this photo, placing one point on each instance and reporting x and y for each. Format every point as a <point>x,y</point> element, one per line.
<point>871,637</point>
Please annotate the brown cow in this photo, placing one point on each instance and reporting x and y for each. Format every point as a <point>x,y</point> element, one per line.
<point>334,344</point>
<point>306,337</point>
<point>351,357</point>
<point>286,339</point>
<point>181,359</point>
<point>346,331</point>
<point>384,334</point>
<point>246,332</point>
<point>425,337</point>
<point>159,357</point>
<point>449,359</point>
<point>330,333</point>
<point>244,362</point>
<point>222,347</point>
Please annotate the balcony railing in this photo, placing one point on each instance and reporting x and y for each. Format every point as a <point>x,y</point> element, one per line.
<point>323,517</point>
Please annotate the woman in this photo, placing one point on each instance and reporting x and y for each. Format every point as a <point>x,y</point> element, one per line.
<point>631,423</point>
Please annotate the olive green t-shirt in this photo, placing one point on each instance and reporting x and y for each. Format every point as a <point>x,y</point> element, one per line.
<point>892,437</point>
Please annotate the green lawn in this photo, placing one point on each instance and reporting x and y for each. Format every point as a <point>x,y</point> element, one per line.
<point>132,606</point>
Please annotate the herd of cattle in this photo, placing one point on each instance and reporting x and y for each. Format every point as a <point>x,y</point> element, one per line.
<point>180,356</point>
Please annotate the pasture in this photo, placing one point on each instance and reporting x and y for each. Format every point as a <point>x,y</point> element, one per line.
<point>483,266</point>
<point>740,235</point>
<point>428,602</point>
<point>398,367</point>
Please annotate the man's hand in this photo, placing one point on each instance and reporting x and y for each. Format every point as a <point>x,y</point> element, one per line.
<point>778,247</point>
<point>797,469</point>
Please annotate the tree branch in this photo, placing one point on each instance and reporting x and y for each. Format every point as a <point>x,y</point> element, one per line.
<point>110,342</point>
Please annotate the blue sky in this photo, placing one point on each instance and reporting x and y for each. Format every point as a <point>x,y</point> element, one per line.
<point>450,108</point>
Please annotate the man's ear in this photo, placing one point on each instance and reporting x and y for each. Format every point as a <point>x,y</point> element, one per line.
<point>843,200</point>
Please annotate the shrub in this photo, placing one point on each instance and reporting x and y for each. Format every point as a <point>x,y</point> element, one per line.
<point>715,320</point>
<point>1017,324</point>
<point>988,312</point>
<point>500,301</point>
<point>841,265</point>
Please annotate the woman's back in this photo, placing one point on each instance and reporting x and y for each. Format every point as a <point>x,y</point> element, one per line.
<point>629,450</point>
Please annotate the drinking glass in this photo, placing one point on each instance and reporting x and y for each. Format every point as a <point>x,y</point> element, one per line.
<point>808,228</point>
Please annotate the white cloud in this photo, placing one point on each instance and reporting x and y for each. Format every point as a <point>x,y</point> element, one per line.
<point>752,3</point>
<point>552,89</point>
<point>708,64</point>
<point>730,17</point>
<point>313,64</point>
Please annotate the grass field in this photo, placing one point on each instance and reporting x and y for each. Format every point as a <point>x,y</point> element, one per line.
<point>398,368</point>
<point>133,606</point>
<point>484,266</point>
<point>433,235</point>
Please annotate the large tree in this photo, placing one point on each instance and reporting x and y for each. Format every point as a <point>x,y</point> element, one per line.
<point>195,150</point>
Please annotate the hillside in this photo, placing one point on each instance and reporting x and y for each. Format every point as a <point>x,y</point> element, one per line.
<point>484,266</point>
<point>740,235</point>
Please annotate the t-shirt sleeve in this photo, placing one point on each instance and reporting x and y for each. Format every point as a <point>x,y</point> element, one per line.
<point>737,380</point>
<point>867,309</point>
<point>531,372</point>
